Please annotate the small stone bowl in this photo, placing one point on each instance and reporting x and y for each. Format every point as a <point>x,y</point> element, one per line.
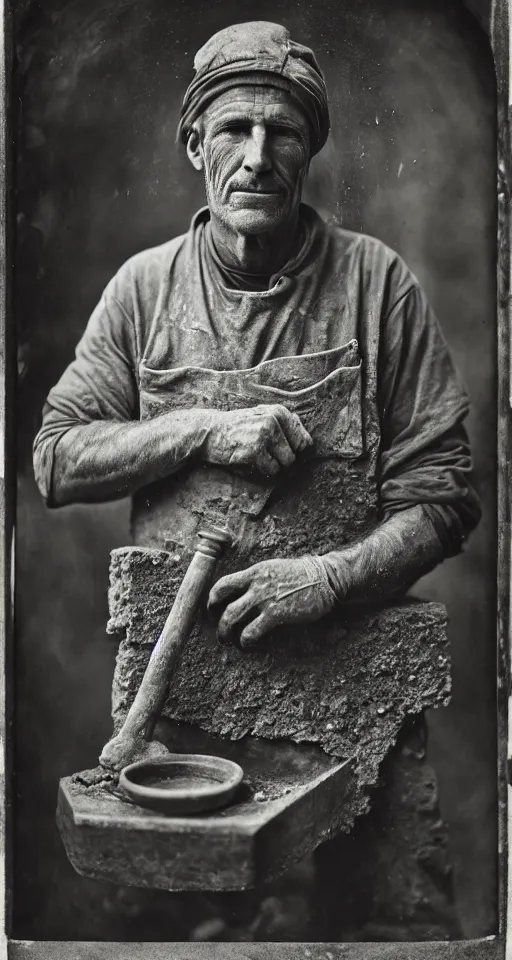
<point>183,784</point>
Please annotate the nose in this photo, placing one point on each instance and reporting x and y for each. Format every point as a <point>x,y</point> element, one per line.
<point>257,155</point>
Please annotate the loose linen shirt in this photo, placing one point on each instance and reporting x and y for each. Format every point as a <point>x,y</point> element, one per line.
<point>172,306</point>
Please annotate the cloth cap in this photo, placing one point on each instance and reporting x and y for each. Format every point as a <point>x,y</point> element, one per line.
<point>257,53</point>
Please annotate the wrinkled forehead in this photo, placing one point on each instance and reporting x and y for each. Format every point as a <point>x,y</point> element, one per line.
<point>255,103</point>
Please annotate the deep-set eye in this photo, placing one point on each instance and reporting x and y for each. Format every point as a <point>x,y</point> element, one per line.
<point>289,133</point>
<point>236,127</point>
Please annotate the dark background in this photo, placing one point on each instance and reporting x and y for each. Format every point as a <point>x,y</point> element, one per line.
<point>410,160</point>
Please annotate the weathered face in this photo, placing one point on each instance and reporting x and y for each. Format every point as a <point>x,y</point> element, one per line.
<point>253,145</point>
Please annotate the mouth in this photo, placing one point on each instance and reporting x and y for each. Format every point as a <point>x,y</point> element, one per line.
<point>247,192</point>
<point>251,198</point>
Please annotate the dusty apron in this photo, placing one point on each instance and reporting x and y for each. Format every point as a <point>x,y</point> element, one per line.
<point>327,499</point>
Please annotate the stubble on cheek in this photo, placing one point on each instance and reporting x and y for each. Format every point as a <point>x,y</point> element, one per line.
<point>291,169</point>
<point>221,162</point>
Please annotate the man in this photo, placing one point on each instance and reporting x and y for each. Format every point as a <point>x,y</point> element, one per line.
<point>262,292</point>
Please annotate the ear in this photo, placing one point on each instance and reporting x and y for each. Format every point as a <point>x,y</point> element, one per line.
<point>195,149</point>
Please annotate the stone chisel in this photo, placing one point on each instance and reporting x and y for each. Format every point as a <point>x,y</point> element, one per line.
<point>133,741</point>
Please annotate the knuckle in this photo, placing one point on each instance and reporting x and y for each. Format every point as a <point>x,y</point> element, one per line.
<point>264,429</point>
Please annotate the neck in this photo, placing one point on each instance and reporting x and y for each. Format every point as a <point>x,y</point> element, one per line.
<point>262,254</point>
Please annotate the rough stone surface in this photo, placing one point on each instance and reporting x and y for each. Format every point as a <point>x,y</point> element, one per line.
<point>346,684</point>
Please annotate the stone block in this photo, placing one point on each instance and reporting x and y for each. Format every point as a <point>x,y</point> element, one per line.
<point>345,684</point>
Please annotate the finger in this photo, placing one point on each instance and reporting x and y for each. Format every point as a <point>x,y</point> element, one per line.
<point>255,630</point>
<point>278,445</point>
<point>267,464</point>
<point>295,431</point>
<point>235,613</point>
<point>227,586</point>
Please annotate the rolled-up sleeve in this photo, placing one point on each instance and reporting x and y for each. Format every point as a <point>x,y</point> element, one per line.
<point>425,455</point>
<point>100,384</point>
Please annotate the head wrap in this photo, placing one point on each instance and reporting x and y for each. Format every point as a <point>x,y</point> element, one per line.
<point>257,53</point>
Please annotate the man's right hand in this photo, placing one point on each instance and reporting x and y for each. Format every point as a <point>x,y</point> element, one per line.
<point>267,438</point>
<point>104,460</point>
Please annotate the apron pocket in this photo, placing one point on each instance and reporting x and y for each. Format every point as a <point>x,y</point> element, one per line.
<point>329,406</point>
<point>331,411</point>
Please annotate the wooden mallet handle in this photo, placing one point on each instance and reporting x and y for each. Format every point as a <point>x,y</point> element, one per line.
<point>144,710</point>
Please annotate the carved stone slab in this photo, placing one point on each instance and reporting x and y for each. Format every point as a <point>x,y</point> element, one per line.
<point>345,684</point>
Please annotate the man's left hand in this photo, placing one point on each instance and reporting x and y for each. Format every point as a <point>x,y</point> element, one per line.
<point>269,594</point>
